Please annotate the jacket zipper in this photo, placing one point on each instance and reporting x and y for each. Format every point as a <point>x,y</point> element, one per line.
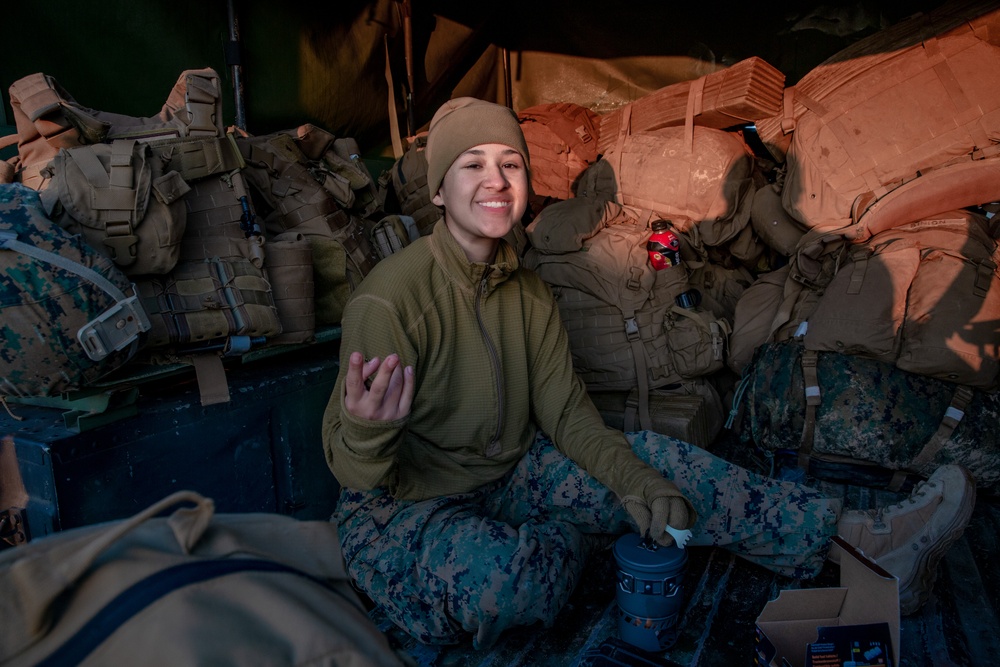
<point>493,448</point>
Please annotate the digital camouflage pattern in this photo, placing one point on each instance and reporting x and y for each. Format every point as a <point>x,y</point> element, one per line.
<point>870,411</point>
<point>511,552</point>
<point>43,306</point>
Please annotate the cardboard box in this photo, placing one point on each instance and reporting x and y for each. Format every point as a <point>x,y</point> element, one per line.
<point>867,595</point>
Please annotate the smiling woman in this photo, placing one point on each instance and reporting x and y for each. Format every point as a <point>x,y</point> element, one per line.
<point>478,170</point>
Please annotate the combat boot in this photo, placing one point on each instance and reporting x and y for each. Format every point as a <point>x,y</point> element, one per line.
<point>909,539</point>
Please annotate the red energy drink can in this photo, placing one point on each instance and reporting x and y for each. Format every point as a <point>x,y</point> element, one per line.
<point>663,246</point>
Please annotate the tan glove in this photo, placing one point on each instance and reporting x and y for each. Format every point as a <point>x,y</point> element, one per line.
<point>653,519</point>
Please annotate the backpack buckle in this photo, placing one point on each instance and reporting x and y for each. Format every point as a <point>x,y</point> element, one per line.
<point>114,329</point>
<point>631,328</point>
<point>122,248</point>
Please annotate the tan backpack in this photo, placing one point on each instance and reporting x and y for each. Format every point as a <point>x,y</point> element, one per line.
<point>625,326</point>
<point>924,296</point>
<point>191,588</point>
<point>861,127</point>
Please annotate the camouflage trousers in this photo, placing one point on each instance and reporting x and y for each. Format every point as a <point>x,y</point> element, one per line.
<point>511,552</point>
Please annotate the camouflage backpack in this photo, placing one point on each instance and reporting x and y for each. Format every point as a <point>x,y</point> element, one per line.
<point>66,317</point>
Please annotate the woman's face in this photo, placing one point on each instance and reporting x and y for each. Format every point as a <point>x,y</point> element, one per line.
<point>484,194</point>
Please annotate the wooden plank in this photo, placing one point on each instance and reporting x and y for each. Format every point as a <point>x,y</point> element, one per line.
<point>747,90</point>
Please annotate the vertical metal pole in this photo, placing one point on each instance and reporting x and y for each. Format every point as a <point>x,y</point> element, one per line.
<point>408,46</point>
<point>234,60</point>
<point>507,88</point>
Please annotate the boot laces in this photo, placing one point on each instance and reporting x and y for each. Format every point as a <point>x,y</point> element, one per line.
<point>878,514</point>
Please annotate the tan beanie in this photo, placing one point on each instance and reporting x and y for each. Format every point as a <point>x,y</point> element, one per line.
<point>465,122</point>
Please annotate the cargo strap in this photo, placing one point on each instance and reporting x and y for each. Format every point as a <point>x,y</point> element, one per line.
<point>213,386</point>
<point>113,330</point>
<point>641,374</point>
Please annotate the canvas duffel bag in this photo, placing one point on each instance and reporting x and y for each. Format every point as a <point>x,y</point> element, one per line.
<point>872,124</point>
<point>866,420</point>
<point>69,315</point>
<point>194,588</point>
<point>692,176</point>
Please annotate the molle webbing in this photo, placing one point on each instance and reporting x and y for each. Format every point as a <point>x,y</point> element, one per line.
<point>409,181</point>
<point>218,288</point>
<point>48,118</point>
<point>289,266</point>
<point>195,159</point>
<point>210,300</point>
<point>277,168</point>
<point>193,109</point>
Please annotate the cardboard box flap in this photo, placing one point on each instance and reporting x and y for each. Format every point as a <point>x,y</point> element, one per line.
<point>805,604</point>
<point>876,592</point>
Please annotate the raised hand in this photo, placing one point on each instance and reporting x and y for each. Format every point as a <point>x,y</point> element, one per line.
<point>386,396</point>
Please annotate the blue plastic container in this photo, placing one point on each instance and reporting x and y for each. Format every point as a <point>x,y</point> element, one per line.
<point>649,592</point>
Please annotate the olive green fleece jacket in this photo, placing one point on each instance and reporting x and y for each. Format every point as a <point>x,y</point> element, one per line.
<point>491,360</point>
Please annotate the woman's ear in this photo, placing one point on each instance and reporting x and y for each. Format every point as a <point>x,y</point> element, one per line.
<point>437,200</point>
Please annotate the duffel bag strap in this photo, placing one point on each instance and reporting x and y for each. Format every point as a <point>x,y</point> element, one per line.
<point>44,576</point>
<point>813,399</point>
<point>156,586</point>
<point>952,416</point>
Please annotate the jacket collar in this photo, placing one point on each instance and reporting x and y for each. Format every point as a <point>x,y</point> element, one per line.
<point>451,257</point>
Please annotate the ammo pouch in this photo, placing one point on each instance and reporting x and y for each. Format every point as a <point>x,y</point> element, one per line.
<point>696,341</point>
<point>118,197</point>
<point>288,261</point>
